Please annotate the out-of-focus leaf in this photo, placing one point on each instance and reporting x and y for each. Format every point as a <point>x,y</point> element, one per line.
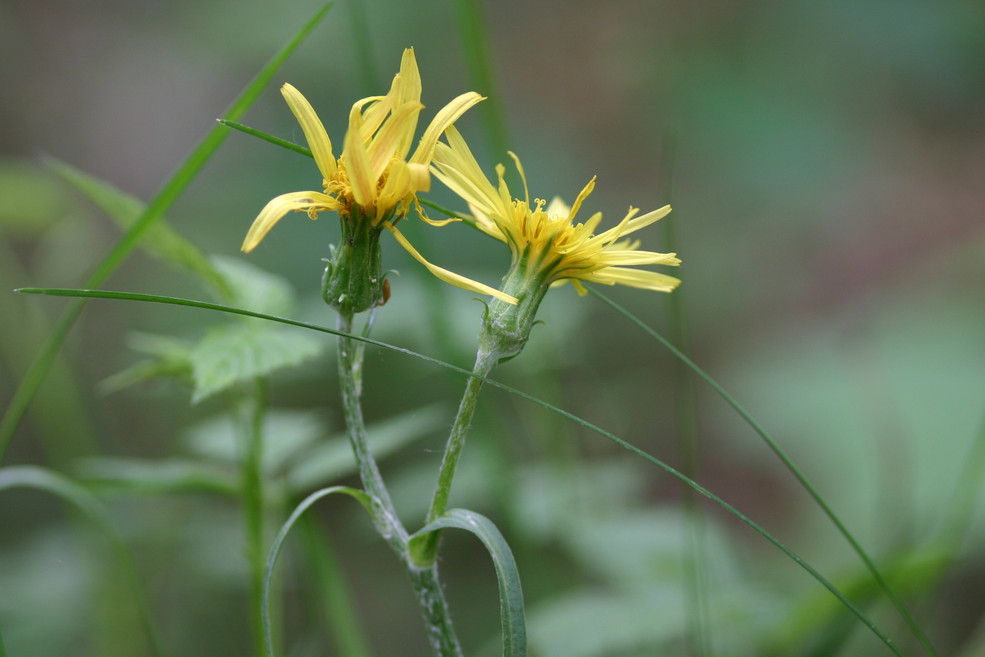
<point>285,434</point>
<point>909,573</point>
<point>140,476</point>
<point>32,201</point>
<point>241,352</point>
<point>332,459</point>
<point>172,360</point>
<point>254,288</point>
<point>161,240</point>
<point>596,623</point>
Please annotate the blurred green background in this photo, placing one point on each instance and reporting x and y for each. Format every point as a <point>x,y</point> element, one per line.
<point>826,164</point>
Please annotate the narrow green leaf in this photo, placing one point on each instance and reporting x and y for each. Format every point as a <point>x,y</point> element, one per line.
<point>147,477</point>
<point>105,294</point>
<point>161,241</point>
<point>276,141</point>
<point>43,479</point>
<point>305,504</point>
<point>171,190</point>
<point>507,575</point>
<point>791,467</point>
<point>476,43</point>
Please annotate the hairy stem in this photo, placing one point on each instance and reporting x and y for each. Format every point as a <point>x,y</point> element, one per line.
<point>427,585</point>
<point>485,361</point>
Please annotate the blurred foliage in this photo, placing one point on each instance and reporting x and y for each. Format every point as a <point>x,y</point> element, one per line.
<point>826,173</point>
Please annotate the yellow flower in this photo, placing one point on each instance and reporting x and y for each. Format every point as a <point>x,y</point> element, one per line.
<point>551,246</point>
<point>548,248</point>
<point>373,183</point>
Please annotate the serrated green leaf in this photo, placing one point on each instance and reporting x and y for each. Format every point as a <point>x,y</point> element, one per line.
<point>254,288</point>
<point>172,359</point>
<point>160,240</point>
<point>241,352</point>
<point>142,476</point>
<point>508,577</point>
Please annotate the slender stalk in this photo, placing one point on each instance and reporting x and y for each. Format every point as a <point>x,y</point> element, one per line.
<point>253,511</point>
<point>350,379</point>
<point>427,585</point>
<point>485,361</point>
<point>792,468</point>
<point>168,193</point>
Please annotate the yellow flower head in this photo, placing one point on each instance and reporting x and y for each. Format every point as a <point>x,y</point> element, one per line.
<point>552,247</point>
<point>373,180</point>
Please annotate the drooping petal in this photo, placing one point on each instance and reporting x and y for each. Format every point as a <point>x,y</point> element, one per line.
<point>314,131</point>
<point>449,276</point>
<point>278,207</point>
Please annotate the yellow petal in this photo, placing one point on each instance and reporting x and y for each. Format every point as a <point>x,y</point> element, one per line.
<point>396,189</point>
<point>357,162</point>
<point>386,144</point>
<point>441,122</point>
<point>314,131</point>
<point>278,207</point>
<point>638,278</point>
<point>448,276</point>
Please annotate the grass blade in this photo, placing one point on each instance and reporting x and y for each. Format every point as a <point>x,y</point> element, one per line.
<point>305,504</point>
<point>507,575</point>
<point>129,296</point>
<point>789,464</point>
<point>171,190</point>
<point>29,476</point>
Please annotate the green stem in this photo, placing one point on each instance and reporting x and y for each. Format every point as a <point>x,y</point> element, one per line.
<point>253,510</point>
<point>425,580</point>
<point>485,361</point>
<point>350,364</point>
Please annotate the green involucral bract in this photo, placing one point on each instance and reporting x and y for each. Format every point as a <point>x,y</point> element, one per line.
<point>354,280</point>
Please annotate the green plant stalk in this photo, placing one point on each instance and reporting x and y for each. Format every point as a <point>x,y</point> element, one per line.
<point>608,435</point>
<point>485,361</point>
<point>169,192</point>
<point>791,466</point>
<point>253,510</point>
<point>425,580</point>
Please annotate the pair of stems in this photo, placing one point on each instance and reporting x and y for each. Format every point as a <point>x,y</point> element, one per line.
<point>421,564</point>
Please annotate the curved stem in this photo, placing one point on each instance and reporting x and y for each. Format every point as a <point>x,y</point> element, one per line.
<point>350,364</point>
<point>427,585</point>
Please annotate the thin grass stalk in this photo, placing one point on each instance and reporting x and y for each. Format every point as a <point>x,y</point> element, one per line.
<point>254,508</point>
<point>163,200</point>
<point>476,43</point>
<point>789,464</point>
<point>204,305</point>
